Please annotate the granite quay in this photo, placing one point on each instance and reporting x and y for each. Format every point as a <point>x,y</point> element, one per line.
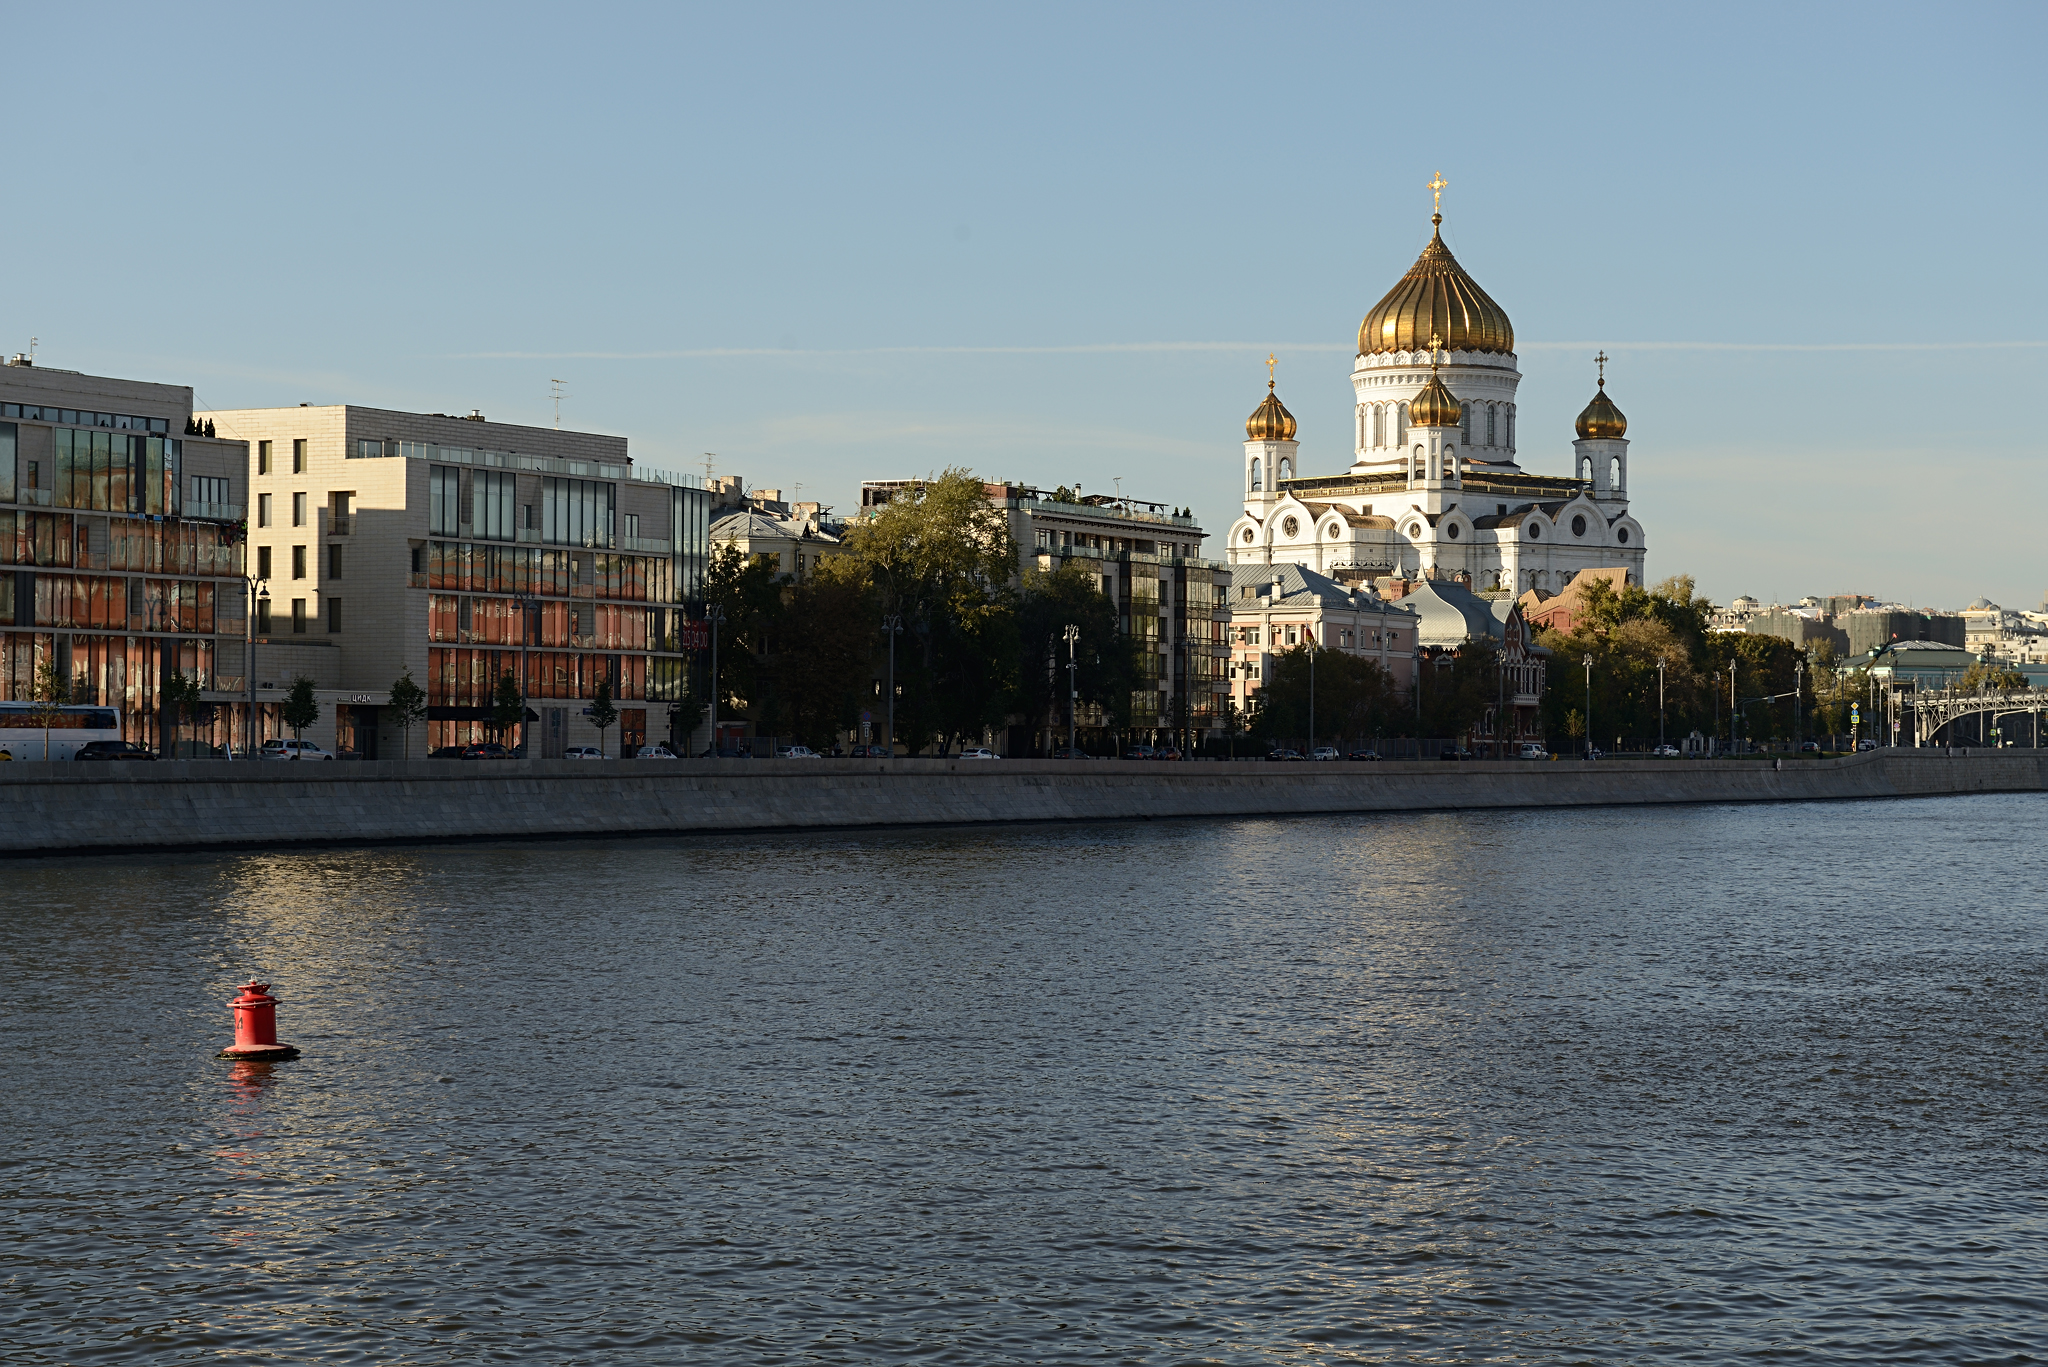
<point>200,804</point>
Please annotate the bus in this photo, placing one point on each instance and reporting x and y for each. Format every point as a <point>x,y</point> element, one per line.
<point>70,726</point>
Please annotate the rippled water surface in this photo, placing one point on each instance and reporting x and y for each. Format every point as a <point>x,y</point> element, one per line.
<point>1679,1085</point>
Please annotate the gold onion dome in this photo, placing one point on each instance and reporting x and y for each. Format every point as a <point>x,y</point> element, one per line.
<point>1270,421</point>
<point>1602,419</point>
<point>1435,406</point>
<point>1436,296</point>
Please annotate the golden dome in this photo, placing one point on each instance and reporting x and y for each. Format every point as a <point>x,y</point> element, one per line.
<point>1602,419</point>
<point>1436,296</point>
<point>1270,421</point>
<point>1435,406</point>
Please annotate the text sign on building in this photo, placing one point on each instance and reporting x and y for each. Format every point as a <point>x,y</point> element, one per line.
<point>695,635</point>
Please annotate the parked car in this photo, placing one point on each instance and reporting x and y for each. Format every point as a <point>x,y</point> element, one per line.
<point>1138,752</point>
<point>1068,752</point>
<point>1531,750</point>
<point>979,752</point>
<point>1863,745</point>
<point>1165,752</point>
<point>1455,753</point>
<point>796,752</point>
<point>656,751</point>
<point>485,749</point>
<point>291,749</point>
<point>1809,747</point>
<point>1363,755</point>
<point>1283,755</point>
<point>113,750</point>
<point>440,752</point>
<point>1323,752</point>
<point>869,752</point>
<point>1592,753</point>
<point>1666,752</point>
<point>583,752</point>
<point>726,752</point>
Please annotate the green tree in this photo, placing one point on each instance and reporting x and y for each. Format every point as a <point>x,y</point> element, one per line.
<point>685,715</point>
<point>178,696</point>
<point>1105,660</point>
<point>1457,688</point>
<point>602,713</point>
<point>408,705</point>
<point>49,694</point>
<point>749,589</point>
<point>940,556</point>
<point>508,705</point>
<point>1994,675</point>
<point>301,708</point>
<point>822,652</point>
<point>1354,697</point>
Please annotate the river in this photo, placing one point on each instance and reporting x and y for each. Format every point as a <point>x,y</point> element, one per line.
<point>1684,1084</point>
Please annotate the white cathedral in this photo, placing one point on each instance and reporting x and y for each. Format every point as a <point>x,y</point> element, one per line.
<point>1434,491</point>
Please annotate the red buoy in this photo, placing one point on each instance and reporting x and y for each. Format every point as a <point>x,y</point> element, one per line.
<point>256,1026</point>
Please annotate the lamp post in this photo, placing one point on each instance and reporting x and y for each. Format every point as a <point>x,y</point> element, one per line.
<point>1660,702</point>
<point>1589,707</point>
<point>1073,638</point>
<point>716,616</point>
<point>1731,705</point>
<point>893,624</point>
<point>259,592</point>
<point>1312,691</point>
<point>1798,682</point>
<point>526,606</point>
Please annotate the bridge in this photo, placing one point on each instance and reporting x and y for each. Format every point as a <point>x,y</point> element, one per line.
<point>1937,708</point>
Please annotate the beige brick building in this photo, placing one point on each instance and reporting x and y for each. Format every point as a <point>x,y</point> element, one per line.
<point>463,550</point>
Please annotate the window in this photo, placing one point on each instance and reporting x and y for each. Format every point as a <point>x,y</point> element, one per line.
<point>298,510</point>
<point>491,495</point>
<point>334,562</point>
<point>298,616</point>
<point>298,562</point>
<point>1490,411</point>
<point>575,512</point>
<point>333,616</point>
<point>633,525</point>
<point>1578,526</point>
<point>527,521</point>
<point>263,510</point>
<point>444,499</point>
<point>419,559</point>
<point>344,503</point>
<point>262,613</point>
<point>262,457</point>
<point>207,489</point>
<point>298,455</point>
<point>263,560</point>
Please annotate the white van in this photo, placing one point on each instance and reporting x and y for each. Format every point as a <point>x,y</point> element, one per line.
<point>1531,750</point>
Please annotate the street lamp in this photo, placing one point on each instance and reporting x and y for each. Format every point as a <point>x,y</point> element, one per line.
<point>259,592</point>
<point>892,624</point>
<point>1660,702</point>
<point>1312,691</point>
<point>716,616</point>
<point>525,606</point>
<point>1589,706</point>
<point>1072,636</point>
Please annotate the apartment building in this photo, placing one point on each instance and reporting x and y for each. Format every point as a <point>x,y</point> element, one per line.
<point>1147,557</point>
<point>465,550</point>
<point>122,552</point>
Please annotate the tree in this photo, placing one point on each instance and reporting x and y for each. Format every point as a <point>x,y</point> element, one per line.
<point>301,708</point>
<point>1993,675</point>
<point>178,695</point>
<point>52,690</point>
<point>749,589</point>
<point>942,557</point>
<point>508,705</point>
<point>1105,660</point>
<point>602,713</point>
<point>822,651</point>
<point>685,715</point>
<point>408,705</point>
<point>1353,695</point>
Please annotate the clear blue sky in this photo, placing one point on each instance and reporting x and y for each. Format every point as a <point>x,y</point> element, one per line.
<point>1055,245</point>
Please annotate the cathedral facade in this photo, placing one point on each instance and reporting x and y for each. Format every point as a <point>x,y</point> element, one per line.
<point>1434,490</point>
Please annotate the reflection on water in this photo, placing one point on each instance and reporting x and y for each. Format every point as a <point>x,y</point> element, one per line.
<point>1701,1084</point>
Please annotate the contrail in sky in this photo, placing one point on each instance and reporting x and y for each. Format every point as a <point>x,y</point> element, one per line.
<point>1164,348</point>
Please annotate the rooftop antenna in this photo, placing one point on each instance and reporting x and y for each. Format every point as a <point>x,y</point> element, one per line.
<point>555,393</point>
<point>710,459</point>
<point>32,350</point>
<point>1118,480</point>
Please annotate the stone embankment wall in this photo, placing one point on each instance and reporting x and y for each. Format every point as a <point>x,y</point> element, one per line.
<point>198,804</point>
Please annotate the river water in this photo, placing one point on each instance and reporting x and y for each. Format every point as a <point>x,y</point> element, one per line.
<point>1689,1084</point>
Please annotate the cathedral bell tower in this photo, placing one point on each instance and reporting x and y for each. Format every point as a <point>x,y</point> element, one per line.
<point>1270,450</point>
<point>1433,416</point>
<point>1601,452</point>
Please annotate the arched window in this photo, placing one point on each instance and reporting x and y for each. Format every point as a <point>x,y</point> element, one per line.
<point>1401,424</point>
<point>1258,475</point>
<point>1420,458</point>
<point>1465,425</point>
<point>1491,413</point>
<point>1286,470</point>
<point>1511,427</point>
<point>1614,472</point>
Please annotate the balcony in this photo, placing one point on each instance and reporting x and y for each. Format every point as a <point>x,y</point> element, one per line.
<point>41,498</point>
<point>644,545</point>
<point>340,524</point>
<point>416,579</point>
<point>194,509</point>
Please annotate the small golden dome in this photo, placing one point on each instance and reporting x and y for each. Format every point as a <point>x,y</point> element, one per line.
<point>1602,419</point>
<point>1435,406</point>
<point>1270,421</point>
<point>1436,296</point>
